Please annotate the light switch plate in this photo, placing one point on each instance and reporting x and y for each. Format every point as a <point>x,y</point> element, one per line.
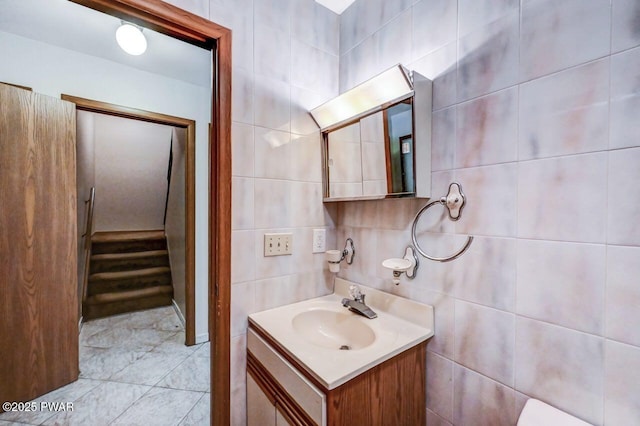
<point>278,244</point>
<point>319,241</point>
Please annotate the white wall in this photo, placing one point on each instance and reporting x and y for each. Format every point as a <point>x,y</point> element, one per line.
<point>131,160</point>
<point>175,224</point>
<point>52,71</point>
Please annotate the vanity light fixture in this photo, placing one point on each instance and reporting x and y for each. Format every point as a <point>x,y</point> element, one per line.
<point>385,88</point>
<point>131,39</point>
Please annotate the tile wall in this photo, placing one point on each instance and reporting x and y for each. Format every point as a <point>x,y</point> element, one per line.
<point>285,62</point>
<point>536,114</point>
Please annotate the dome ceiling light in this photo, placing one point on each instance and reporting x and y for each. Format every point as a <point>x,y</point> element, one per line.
<point>131,39</point>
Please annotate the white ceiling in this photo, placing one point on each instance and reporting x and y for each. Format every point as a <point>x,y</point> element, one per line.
<point>338,6</point>
<point>74,27</point>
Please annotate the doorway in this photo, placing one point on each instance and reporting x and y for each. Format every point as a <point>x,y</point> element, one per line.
<point>196,30</point>
<point>189,126</point>
<point>181,25</point>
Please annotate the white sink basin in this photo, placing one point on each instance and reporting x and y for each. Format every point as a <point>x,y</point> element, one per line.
<point>313,331</point>
<point>333,329</point>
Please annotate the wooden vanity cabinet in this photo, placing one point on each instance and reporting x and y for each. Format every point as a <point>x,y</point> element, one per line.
<point>280,392</point>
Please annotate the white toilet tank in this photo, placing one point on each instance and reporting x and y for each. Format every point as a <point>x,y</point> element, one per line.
<point>537,413</point>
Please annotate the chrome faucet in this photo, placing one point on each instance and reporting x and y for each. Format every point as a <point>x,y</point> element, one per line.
<point>357,304</point>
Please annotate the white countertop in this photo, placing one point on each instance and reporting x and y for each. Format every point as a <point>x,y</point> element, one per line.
<point>401,324</point>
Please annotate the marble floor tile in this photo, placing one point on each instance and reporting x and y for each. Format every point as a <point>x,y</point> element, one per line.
<point>167,322</point>
<point>204,350</point>
<point>68,393</point>
<point>193,374</point>
<point>90,329</point>
<point>108,361</point>
<point>200,413</point>
<point>121,357</point>
<point>176,344</point>
<point>149,369</point>
<point>129,338</point>
<point>101,405</point>
<point>159,407</point>
<point>87,352</point>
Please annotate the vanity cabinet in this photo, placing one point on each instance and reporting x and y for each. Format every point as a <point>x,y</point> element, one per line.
<point>281,392</point>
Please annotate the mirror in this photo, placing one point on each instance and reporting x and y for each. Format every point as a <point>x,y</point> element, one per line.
<point>372,157</point>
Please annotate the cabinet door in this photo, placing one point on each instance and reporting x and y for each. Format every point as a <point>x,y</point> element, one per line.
<point>260,410</point>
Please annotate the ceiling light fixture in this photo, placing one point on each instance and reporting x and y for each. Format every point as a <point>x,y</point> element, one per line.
<point>131,39</point>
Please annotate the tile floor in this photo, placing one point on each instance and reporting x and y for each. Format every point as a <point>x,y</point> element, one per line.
<point>134,370</point>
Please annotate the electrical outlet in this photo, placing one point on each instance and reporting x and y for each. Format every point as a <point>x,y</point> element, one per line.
<point>319,241</point>
<point>278,244</point>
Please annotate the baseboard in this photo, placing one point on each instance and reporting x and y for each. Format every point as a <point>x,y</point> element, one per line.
<point>202,338</point>
<point>179,313</point>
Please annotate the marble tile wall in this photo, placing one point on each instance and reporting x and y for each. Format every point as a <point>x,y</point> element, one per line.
<point>285,62</point>
<point>536,106</point>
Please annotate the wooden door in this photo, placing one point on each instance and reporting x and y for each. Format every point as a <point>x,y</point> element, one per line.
<point>38,277</point>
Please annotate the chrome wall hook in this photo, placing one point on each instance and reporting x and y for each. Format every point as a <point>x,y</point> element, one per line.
<point>349,251</point>
<point>454,201</point>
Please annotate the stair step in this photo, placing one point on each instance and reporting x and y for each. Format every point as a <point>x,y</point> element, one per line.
<point>113,262</point>
<point>107,282</point>
<point>127,242</point>
<point>119,236</point>
<point>107,304</point>
<point>129,272</point>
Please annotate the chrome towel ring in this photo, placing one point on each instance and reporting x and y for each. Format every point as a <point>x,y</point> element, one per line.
<point>454,202</point>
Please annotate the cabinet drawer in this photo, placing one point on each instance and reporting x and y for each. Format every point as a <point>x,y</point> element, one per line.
<point>306,395</point>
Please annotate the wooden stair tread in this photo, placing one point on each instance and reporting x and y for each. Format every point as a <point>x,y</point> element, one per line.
<point>131,255</point>
<point>123,275</point>
<point>130,271</point>
<point>120,236</point>
<point>129,295</point>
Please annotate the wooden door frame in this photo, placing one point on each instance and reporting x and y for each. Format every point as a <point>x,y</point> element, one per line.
<point>173,21</point>
<point>90,105</point>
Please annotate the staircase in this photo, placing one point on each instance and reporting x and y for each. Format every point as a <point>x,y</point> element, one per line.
<point>129,271</point>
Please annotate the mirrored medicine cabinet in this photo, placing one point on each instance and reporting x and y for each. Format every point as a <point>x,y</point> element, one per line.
<point>376,139</point>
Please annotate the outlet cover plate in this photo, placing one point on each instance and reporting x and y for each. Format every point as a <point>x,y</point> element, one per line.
<point>278,244</point>
<point>319,241</point>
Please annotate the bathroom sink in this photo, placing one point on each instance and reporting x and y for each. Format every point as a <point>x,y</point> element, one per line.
<point>334,344</point>
<point>333,329</point>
